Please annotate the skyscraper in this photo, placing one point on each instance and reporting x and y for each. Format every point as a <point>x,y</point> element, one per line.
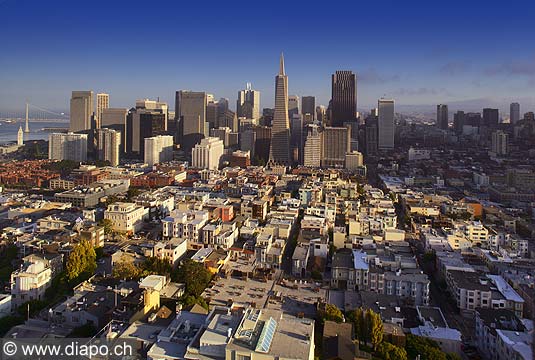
<point>442,117</point>
<point>296,138</point>
<point>248,104</point>
<point>108,145</point>
<point>385,124</point>
<point>308,108</point>
<point>149,118</point>
<point>344,98</point>
<point>115,118</point>
<point>312,148</point>
<point>280,133</point>
<point>81,110</point>
<point>67,146</point>
<point>293,105</point>
<point>458,121</point>
<point>321,114</point>
<point>491,117</point>
<point>190,112</point>
<point>336,144</point>
<point>500,143</point>
<point>103,102</point>
<point>514,113</point>
<point>207,154</point>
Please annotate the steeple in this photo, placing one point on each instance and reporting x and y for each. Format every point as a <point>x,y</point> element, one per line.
<point>281,65</point>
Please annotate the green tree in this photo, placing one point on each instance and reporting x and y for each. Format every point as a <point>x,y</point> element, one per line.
<point>189,300</point>
<point>426,348</point>
<point>82,259</point>
<point>108,226</point>
<point>388,351</point>
<point>8,322</point>
<point>332,313</point>
<point>194,275</point>
<point>126,270</point>
<point>156,266</point>
<point>357,318</point>
<point>375,327</point>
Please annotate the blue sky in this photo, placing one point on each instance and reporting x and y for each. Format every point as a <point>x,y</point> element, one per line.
<point>414,51</point>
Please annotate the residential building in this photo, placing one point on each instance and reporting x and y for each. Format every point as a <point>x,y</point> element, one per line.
<point>68,146</point>
<point>108,145</point>
<point>126,217</point>
<point>158,149</point>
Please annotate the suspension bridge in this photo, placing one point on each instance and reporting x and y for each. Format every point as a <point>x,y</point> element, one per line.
<point>32,114</point>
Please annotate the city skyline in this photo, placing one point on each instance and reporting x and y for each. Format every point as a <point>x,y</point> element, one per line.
<point>409,59</point>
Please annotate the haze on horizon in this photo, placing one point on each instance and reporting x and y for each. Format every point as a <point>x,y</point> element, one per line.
<point>461,52</point>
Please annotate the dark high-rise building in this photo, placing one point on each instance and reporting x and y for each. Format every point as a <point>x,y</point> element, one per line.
<point>280,130</point>
<point>262,143</point>
<point>472,119</point>
<point>514,113</point>
<point>458,122</point>
<point>150,124</point>
<point>371,139</point>
<point>190,112</point>
<point>442,116</point>
<point>344,98</point>
<point>267,116</point>
<point>308,108</point>
<point>296,138</point>
<point>491,117</point>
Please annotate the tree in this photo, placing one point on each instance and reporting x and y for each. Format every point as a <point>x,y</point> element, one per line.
<point>388,351</point>
<point>332,313</point>
<point>194,275</point>
<point>82,260</point>
<point>375,327</point>
<point>125,269</point>
<point>156,266</point>
<point>427,349</point>
<point>189,300</point>
<point>357,318</point>
<point>108,226</point>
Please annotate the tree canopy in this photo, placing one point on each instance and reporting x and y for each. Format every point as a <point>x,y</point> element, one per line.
<point>194,275</point>
<point>82,259</point>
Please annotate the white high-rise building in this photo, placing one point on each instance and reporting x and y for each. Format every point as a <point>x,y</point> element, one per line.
<point>81,110</point>
<point>514,113</point>
<point>499,143</point>
<point>207,154</point>
<point>108,145</point>
<point>386,124</point>
<point>312,148</point>
<point>67,147</point>
<point>103,102</point>
<point>158,149</point>
<point>248,105</point>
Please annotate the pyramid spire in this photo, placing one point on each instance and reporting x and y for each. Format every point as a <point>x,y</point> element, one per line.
<point>281,65</point>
